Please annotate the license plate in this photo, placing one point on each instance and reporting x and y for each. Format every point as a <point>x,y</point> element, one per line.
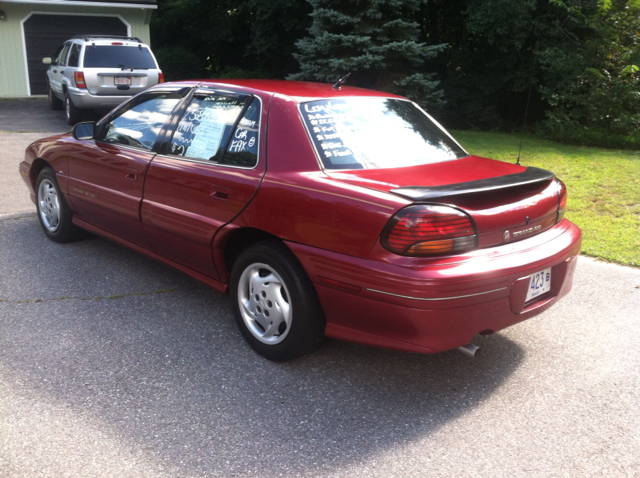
<point>123,80</point>
<point>539,283</point>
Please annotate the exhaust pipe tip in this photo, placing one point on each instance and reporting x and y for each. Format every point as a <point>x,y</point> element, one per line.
<point>470,350</point>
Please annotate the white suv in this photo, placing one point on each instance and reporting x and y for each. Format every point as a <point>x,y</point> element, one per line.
<point>99,72</point>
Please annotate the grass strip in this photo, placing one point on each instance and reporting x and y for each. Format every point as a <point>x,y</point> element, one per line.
<point>603,187</point>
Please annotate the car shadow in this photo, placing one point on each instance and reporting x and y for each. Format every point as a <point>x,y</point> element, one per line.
<point>155,358</point>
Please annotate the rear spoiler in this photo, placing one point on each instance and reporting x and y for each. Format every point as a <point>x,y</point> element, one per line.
<point>425,193</point>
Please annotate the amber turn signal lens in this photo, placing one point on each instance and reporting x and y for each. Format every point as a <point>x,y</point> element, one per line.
<point>78,77</point>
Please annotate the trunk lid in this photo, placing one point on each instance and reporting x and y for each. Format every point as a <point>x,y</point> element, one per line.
<point>507,202</point>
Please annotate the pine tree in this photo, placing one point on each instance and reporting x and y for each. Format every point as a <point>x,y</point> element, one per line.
<point>376,41</point>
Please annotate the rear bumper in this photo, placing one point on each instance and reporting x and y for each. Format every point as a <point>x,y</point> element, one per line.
<point>83,100</point>
<point>435,305</point>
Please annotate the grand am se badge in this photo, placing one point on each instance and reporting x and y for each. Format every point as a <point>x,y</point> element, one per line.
<point>529,230</point>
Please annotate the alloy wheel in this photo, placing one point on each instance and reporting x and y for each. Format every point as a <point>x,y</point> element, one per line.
<point>264,303</point>
<point>49,205</point>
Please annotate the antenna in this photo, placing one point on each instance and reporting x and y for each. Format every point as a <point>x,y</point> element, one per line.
<point>524,123</point>
<point>340,81</point>
<point>526,110</point>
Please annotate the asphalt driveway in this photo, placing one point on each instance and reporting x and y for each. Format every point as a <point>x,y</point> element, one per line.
<point>30,115</point>
<point>112,365</point>
<point>22,121</point>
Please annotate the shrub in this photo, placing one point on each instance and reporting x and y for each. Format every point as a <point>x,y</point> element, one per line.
<point>571,133</point>
<point>178,63</point>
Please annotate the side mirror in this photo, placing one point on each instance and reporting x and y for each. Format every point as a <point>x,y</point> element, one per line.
<point>47,61</point>
<point>84,131</point>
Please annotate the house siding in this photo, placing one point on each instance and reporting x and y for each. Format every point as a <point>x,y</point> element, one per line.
<point>14,80</point>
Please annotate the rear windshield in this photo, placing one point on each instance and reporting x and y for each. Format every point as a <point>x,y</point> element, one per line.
<point>373,133</point>
<point>118,56</point>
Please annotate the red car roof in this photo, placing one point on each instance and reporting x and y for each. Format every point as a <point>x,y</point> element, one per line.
<point>301,90</point>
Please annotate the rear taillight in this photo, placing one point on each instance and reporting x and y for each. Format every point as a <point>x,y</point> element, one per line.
<point>424,230</point>
<point>78,76</point>
<point>160,77</point>
<point>562,200</point>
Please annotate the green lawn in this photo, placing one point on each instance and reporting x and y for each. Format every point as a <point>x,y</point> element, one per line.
<point>603,187</point>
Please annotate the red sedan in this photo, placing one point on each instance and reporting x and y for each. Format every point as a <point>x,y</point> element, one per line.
<point>323,211</point>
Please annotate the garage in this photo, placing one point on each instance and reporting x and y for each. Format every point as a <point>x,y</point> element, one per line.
<point>31,30</point>
<point>43,33</point>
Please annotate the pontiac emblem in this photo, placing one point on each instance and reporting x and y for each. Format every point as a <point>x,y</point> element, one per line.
<point>506,236</point>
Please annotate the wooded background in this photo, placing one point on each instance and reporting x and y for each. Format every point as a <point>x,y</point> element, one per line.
<point>471,63</point>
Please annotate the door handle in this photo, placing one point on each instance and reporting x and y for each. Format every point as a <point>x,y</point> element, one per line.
<point>131,175</point>
<point>219,192</point>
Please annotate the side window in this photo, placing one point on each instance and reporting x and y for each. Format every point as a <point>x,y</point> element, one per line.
<point>74,55</point>
<point>243,148</point>
<point>140,124</point>
<point>56,55</point>
<point>62,57</point>
<point>205,128</point>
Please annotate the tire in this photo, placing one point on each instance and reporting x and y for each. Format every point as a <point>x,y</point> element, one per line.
<point>53,212</point>
<point>274,302</point>
<point>55,103</point>
<point>73,114</point>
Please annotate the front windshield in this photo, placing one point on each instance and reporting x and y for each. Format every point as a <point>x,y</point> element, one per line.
<point>375,133</point>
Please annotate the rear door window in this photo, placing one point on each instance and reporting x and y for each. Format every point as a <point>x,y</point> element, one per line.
<point>243,147</point>
<point>62,57</point>
<point>74,55</point>
<point>205,129</point>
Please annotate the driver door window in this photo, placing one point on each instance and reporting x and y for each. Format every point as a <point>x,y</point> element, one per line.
<point>140,125</point>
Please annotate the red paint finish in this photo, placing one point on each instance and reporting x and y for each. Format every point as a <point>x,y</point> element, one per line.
<point>297,90</point>
<point>439,306</point>
<point>181,212</point>
<point>313,209</point>
<point>106,184</point>
<point>53,151</point>
<point>437,174</point>
<point>188,214</point>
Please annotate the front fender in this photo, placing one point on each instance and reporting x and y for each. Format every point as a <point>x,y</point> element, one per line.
<point>40,154</point>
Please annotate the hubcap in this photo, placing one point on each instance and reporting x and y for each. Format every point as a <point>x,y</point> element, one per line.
<point>49,205</point>
<point>265,303</point>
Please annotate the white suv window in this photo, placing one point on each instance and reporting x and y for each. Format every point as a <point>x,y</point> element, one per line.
<point>62,56</point>
<point>118,56</point>
<point>74,55</point>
